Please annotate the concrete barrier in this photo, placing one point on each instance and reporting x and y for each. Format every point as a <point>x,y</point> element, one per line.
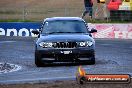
<point>18,28</point>
<point>123,31</point>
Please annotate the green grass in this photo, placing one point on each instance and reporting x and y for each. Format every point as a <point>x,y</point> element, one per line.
<point>37,10</point>
<point>16,20</point>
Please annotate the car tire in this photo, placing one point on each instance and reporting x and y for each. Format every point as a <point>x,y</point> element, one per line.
<point>38,61</point>
<point>92,61</point>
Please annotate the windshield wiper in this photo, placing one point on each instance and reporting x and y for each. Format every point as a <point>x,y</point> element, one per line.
<point>59,32</point>
<point>80,32</point>
<point>55,32</point>
<point>64,32</point>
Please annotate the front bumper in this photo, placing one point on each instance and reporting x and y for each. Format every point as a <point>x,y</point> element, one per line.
<point>66,55</point>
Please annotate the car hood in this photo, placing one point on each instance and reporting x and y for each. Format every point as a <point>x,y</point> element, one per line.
<point>64,37</point>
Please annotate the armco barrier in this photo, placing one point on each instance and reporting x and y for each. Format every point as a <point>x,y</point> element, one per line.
<point>18,28</point>
<point>123,31</point>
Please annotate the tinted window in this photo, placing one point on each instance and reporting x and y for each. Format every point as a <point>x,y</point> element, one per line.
<point>64,26</point>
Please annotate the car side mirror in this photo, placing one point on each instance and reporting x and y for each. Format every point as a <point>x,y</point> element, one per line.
<point>35,32</point>
<point>93,30</point>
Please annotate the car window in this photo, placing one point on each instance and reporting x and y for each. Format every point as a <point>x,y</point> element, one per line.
<point>65,26</point>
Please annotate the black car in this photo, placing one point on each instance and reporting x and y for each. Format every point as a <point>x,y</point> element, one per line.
<point>64,39</point>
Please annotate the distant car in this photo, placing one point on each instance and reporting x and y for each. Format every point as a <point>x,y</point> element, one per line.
<point>64,39</point>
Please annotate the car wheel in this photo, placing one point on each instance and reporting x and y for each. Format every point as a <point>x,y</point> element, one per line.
<point>38,61</point>
<point>92,61</point>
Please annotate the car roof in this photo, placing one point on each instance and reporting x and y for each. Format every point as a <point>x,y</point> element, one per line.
<point>63,18</point>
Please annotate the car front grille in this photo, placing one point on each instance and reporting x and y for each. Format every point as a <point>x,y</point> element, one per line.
<point>65,45</point>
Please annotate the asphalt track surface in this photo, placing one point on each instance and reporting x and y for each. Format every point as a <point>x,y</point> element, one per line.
<point>113,56</point>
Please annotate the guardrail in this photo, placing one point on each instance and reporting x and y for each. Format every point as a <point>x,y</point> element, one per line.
<point>18,28</point>
<point>123,31</point>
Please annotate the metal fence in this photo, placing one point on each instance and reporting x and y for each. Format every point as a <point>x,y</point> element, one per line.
<point>52,8</point>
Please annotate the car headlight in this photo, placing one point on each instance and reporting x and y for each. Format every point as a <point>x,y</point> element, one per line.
<point>85,44</point>
<point>82,44</point>
<point>46,44</point>
<point>89,43</point>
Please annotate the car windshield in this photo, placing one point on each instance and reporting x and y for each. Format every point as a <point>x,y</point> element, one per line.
<point>64,26</point>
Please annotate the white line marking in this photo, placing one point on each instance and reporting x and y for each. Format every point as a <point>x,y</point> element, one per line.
<point>35,72</point>
<point>7,41</point>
